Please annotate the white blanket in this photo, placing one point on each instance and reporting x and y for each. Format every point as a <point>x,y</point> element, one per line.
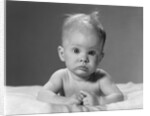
<point>22,100</point>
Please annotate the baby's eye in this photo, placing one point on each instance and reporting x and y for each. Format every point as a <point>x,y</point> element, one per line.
<point>92,53</point>
<point>76,50</point>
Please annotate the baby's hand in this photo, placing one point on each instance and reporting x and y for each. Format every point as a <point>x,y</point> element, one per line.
<point>74,100</point>
<point>89,99</point>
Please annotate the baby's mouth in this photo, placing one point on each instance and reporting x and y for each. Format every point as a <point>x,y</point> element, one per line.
<point>83,68</point>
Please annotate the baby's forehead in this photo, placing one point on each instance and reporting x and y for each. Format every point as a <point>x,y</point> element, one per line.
<point>83,40</point>
<point>82,29</point>
<point>85,30</point>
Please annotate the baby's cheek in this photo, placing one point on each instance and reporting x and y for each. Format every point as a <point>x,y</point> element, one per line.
<point>95,60</point>
<point>94,64</point>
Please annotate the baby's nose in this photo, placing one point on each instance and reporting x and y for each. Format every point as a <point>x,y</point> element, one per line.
<point>84,59</point>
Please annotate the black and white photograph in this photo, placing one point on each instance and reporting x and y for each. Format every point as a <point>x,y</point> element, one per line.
<point>71,57</point>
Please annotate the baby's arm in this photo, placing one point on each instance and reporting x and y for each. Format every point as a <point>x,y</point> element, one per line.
<point>110,90</point>
<point>49,93</point>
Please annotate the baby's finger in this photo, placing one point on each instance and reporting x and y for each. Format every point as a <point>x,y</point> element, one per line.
<point>77,102</point>
<point>84,93</point>
<point>85,100</point>
<point>82,96</point>
<point>85,103</point>
<point>79,98</point>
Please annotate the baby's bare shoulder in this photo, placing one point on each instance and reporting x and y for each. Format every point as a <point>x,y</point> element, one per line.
<point>101,75</point>
<point>56,78</point>
<point>98,75</point>
<point>105,77</point>
<point>59,74</point>
<point>61,71</point>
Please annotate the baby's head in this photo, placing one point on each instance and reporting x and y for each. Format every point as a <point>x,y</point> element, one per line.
<point>83,39</point>
<point>83,23</point>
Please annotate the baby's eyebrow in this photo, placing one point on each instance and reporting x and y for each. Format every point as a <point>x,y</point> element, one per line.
<point>94,48</point>
<point>75,45</point>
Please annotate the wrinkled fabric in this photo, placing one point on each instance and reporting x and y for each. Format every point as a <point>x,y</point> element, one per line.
<point>22,100</point>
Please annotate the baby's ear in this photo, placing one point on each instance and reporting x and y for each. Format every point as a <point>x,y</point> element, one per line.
<point>61,53</point>
<point>101,57</point>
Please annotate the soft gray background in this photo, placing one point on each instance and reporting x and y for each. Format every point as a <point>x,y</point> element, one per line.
<point>33,32</point>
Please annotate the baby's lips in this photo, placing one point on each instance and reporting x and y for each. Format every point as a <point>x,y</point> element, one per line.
<point>83,68</point>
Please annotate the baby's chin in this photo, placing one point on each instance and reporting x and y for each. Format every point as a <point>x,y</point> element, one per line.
<point>83,74</point>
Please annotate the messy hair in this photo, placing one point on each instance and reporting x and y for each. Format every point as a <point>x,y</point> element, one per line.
<point>81,22</point>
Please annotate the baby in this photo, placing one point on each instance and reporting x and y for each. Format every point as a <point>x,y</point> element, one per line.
<point>81,82</point>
